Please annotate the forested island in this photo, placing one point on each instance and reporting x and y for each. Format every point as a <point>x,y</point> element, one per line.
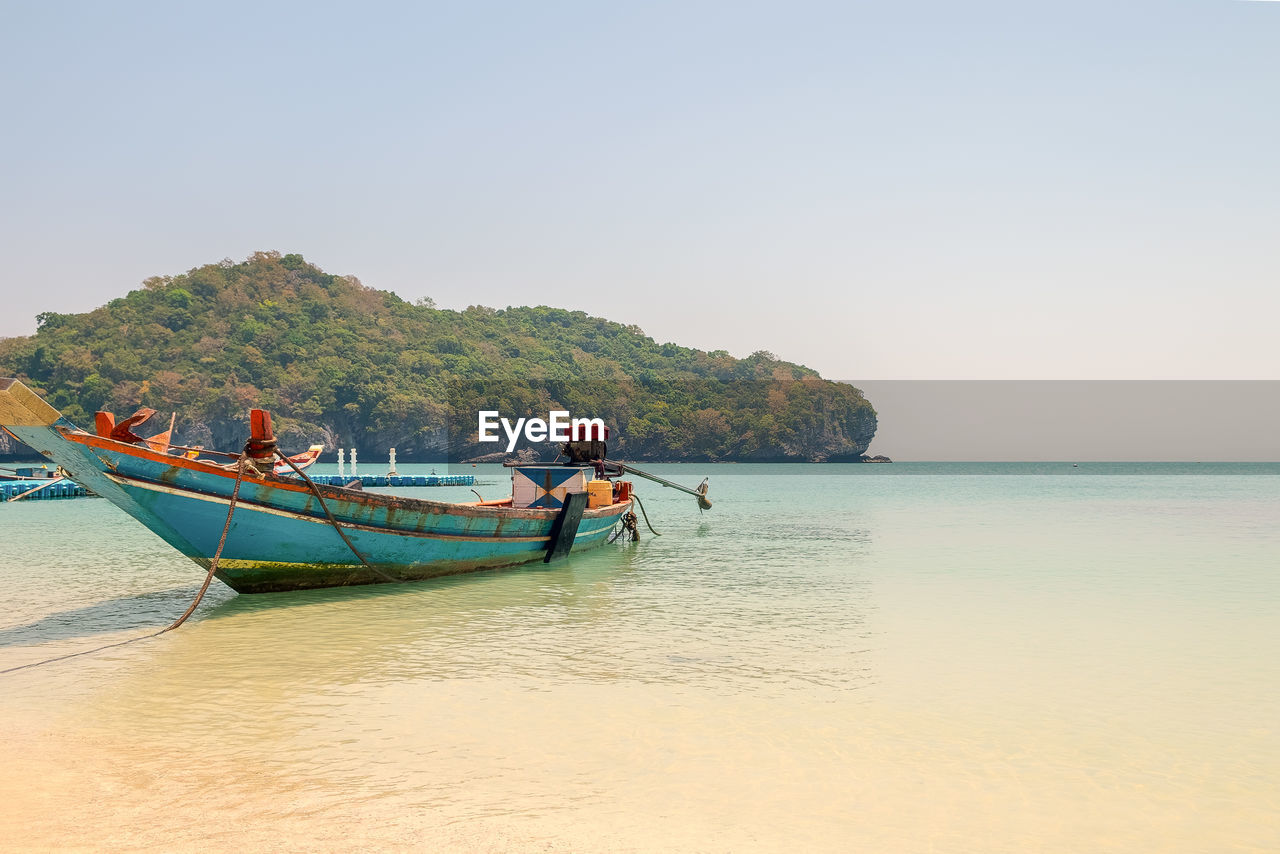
<point>351,366</point>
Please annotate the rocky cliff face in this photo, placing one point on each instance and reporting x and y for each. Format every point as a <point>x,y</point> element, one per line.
<point>11,449</point>
<point>834,438</point>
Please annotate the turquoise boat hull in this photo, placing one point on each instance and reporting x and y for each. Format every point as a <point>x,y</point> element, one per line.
<point>280,538</point>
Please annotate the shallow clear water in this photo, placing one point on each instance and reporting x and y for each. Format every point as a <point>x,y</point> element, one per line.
<point>915,657</point>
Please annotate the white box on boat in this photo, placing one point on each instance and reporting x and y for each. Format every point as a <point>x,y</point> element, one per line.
<point>545,486</point>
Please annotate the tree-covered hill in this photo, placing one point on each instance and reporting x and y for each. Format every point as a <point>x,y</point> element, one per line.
<point>337,362</point>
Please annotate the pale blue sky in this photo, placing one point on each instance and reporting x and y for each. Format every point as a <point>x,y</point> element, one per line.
<point>889,190</point>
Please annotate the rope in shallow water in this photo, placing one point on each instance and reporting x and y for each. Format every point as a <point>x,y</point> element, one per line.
<point>644,514</point>
<point>628,523</point>
<point>222,541</point>
<point>213,567</point>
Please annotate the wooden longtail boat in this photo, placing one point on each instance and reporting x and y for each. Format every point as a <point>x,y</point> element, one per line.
<point>280,536</point>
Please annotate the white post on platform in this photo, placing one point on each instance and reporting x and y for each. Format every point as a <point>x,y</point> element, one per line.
<point>342,468</point>
<point>392,471</point>
<point>353,463</point>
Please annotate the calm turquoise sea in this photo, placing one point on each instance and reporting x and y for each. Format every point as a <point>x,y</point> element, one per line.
<point>909,657</point>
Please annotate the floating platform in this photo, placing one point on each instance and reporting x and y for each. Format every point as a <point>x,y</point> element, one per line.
<point>395,480</point>
<point>61,489</point>
<point>70,489</point>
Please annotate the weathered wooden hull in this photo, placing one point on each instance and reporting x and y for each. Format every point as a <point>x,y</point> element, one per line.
<point>280,537</point>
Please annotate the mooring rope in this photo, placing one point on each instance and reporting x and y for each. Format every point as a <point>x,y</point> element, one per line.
<point>213,567</point>
<point>644,514</point>
<point>222,541</point>
<point>626,525</point>
<point>334,522</point>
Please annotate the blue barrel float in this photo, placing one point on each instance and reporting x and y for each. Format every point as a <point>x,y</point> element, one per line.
<point>70,489</point>
<point>396,480</point>
<point>10,489</point>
